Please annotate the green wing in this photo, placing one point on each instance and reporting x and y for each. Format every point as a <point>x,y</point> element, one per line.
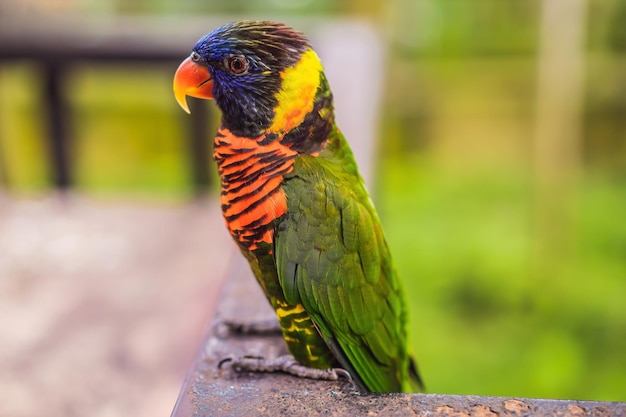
<point>332,258</point>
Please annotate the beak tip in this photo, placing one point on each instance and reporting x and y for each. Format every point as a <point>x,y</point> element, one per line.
<point>186,108</point>
<point>181,99</point>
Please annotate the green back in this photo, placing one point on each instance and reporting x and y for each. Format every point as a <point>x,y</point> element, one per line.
<point>332,258</point>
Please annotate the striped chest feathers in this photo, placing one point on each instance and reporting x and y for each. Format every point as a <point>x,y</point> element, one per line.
<point>251,172</point>
<point>252,169</point>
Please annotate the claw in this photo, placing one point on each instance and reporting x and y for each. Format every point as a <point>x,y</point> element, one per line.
<point>342,372</point>
<point>225,360</point>
<point>345,374</point>
<point>246,362</point>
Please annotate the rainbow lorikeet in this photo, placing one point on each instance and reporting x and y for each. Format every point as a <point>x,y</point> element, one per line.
<point>294,202</point>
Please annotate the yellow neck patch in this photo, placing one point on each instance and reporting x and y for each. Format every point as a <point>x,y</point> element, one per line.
<point>297,93</point>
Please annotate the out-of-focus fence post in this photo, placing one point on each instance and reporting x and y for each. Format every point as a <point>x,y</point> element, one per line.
<point>58,118</point>
<point>4,181</point>
<point>558,128</point>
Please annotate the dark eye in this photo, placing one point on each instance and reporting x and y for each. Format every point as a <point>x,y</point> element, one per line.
<point>237,64</point>
<point>195,57</point>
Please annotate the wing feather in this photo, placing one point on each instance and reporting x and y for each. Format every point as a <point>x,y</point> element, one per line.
<point>332,257</point>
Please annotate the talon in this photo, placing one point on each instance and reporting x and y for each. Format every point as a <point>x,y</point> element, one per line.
<point>344,373</point>
<point>223,361</point>
<point>240,363</point>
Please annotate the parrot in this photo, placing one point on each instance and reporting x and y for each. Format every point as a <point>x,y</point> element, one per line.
<point>294,202</point>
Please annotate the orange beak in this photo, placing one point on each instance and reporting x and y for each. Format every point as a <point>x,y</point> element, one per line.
<point>193,80</point>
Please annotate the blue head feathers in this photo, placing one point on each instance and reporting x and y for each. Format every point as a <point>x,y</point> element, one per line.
<point>245,60</point>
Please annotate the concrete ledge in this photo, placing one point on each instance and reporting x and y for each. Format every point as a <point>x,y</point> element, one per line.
<point>209,391</point>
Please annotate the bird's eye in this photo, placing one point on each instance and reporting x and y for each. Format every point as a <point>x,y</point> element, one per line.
<point>238,64</point>
<point>195,57</point>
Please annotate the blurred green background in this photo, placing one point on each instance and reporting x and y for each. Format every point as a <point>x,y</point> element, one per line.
<point>510,237</point>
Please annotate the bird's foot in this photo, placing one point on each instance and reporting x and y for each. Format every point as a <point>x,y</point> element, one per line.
<point>265,327</point>
<point>284,363</point>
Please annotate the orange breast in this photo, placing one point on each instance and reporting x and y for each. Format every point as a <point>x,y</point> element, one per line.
<point>251,172</point>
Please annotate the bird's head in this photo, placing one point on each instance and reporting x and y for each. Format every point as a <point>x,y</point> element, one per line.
<point>264,76</point>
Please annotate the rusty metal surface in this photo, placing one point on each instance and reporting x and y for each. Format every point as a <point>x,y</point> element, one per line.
<point>209,391</point>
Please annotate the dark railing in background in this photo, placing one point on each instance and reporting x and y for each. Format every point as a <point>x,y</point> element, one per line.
<point>56,110</point>
<point>57,45</point>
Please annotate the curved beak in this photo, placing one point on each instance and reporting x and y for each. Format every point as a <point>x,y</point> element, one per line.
<point>193,80</point>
